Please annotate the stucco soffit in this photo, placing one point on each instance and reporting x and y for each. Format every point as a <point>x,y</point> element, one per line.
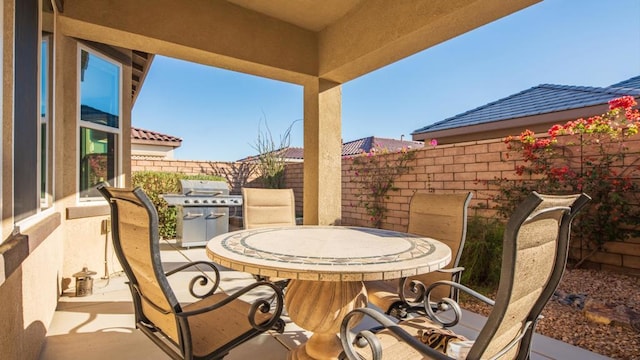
<point>214,33</point>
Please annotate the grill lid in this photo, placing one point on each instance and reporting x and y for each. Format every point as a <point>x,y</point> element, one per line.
<point>203,187</point>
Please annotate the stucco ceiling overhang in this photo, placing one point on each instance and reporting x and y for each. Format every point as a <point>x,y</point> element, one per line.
<point>293,41</point>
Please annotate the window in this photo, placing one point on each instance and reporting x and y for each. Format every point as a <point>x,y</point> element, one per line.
<point>45,147</point>
<point>33,103</point>
<point>99,123</point>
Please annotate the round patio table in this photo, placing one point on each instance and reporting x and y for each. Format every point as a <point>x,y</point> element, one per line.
<point>326,265</point>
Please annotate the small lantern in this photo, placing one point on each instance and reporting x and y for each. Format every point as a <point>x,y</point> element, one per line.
<point>84,282</point>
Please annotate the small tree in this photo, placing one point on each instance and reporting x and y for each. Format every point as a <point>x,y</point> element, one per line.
<point>271,158</point>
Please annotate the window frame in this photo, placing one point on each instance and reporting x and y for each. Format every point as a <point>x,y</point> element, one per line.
<point>117,132</point>
<point>48,120</point>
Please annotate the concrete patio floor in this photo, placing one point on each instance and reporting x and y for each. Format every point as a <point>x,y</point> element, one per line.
<point>101,325</point>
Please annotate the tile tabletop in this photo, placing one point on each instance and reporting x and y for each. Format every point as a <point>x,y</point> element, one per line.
<point>328,253</point>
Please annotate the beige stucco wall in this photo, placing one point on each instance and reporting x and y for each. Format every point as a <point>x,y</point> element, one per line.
<point>156,151</point>
<point>29,297</point>
<point>7,117</point>
<point>29,269</point>
<point>33,270</point>
<point>86,243</point>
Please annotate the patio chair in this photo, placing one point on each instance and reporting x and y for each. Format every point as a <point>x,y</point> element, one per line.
<point>534,257</point>
<point>444,218</point>
<point>268,208</point>
<point>207,328</point>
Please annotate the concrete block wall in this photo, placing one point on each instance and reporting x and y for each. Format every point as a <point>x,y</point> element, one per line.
<point>467,167</point>
<point>188,167</point>
<point>619,256</point>
<point>293,178</point>
<point>450,168</point>
<point>442,169</point>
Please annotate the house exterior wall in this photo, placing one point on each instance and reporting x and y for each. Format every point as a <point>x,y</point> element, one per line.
<point>30,256</point>
<point>85,238</point>
<point>156,151</point>
<point>39,254</point>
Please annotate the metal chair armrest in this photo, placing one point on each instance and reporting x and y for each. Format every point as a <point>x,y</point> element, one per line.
<point>263,305</point>
<point>202,279</point>
<point>348,339</point>
<point>453,270</point>
<point>447,302</point>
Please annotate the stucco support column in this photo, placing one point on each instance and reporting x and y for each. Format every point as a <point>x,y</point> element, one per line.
<point>322,152</point>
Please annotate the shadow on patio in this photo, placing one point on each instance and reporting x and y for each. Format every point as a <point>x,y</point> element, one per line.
<point>101,325</point>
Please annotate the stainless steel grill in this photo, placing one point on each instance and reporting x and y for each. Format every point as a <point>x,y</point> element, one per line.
<point>202,210</point>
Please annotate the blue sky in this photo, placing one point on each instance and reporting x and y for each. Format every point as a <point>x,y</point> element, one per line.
<point>218,113</point>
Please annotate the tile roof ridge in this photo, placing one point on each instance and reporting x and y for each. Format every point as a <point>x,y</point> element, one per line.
<point>356,140</point>
<point>590,89</point>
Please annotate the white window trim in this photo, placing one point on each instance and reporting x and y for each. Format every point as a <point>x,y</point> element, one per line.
<point>87,124</point>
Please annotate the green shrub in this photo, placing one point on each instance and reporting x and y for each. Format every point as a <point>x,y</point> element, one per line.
<point>482,252</point>
<point>154,184</point>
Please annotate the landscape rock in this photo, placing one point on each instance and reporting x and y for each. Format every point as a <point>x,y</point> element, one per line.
<point>603,313</point>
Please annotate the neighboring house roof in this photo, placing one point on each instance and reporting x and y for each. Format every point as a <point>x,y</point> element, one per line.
<point>289,154</point>
<point>359,146</point>
<point>141,136</point>
<point>351,148</point>
<point>541,99</point>
<point>633,83</point>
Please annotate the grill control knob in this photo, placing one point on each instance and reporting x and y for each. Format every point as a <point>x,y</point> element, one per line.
<point>205,201</point>
<point>187,201</point>
<point>214,201</point>
<point>223,202</point>
<point>196,201</point>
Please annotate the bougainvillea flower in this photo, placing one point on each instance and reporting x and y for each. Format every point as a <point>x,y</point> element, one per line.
<point>624,102</point>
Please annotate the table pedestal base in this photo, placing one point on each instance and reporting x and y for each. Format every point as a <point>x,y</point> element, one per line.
<point>319,346</point>
<point>320,306</point>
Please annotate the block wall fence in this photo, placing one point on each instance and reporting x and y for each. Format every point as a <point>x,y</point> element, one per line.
<point>450,168</point>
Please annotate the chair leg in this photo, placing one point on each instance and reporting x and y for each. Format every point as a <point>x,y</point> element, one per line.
<point>398,310</point>
<point>279,326</point>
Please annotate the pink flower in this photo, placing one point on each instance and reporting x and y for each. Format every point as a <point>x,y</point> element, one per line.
<point>433,142</point>
<point>624,102</point>
<point>555,129</point>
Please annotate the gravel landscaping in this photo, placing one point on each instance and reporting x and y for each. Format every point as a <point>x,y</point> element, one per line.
<point>569,324</point>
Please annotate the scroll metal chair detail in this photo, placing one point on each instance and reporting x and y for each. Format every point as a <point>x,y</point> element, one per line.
<point>268,208</point>
<point>535,249</point>
<point>439,216</point>
<point>207,328</point>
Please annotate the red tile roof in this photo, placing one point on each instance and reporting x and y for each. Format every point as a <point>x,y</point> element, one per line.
<point>288,154</point>
<point>141,136</point>
<point>351,148</point>
<point>359,146</point>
